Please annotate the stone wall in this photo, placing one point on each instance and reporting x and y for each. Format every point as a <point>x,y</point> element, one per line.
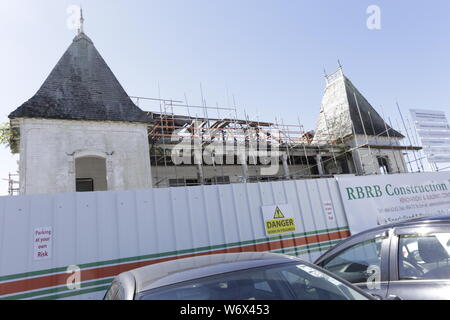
<point>48,149</point>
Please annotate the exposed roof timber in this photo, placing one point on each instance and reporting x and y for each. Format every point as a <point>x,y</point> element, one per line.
<point>188,119</point>
<point>414,148</point>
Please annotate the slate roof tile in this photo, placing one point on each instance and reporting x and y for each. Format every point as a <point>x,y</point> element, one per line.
<point>81,87</point>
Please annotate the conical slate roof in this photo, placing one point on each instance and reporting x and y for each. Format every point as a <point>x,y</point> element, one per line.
<point>343,108</point>
<point>81,87</point>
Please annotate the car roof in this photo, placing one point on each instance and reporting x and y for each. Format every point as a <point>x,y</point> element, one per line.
<point>179,270</point>
<point>442,217</point>
<point>429,219</point>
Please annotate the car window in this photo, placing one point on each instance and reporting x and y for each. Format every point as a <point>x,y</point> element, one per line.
<point>424,256</point>
<point>244,285</point>
<point>315,286</point>
<point>275,282</point>
<point>358,262</point>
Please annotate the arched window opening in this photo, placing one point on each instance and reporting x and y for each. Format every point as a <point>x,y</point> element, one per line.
<point>383,165</point>
<point>90,173</point>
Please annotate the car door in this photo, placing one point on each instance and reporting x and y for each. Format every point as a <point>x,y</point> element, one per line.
<point>363,261</point>
<point>420,263</point>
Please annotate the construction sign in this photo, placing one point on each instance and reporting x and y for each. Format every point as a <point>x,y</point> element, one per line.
<point>278,219</point>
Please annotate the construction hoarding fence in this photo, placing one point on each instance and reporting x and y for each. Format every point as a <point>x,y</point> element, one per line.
<point>71,245</point>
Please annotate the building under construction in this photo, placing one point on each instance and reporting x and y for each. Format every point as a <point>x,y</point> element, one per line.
<point>350,138</point>
<point>82,132</point>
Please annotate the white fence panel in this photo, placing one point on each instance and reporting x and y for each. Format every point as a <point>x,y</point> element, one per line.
<point>105,233</point>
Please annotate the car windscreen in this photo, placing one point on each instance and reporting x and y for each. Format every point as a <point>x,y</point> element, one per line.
<point>285,281</point>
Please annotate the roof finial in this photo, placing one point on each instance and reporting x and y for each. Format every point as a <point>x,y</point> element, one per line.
<point>81,28</point>
<point>339,64</point>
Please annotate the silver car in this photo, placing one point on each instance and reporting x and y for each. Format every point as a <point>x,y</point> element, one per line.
<point>233,276</point>
<point>408,260</point>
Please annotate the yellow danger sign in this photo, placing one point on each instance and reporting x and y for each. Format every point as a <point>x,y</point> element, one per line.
<point>280,226</point>
<point>278,214</point>
<point>279,223</point>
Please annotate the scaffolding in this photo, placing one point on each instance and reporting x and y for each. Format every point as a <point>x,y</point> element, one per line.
<point>13,184</point>
<point>218,125</point>
<point>299,154</point>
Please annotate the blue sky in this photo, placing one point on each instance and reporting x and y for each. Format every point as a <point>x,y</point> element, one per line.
<point>269,54</point>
